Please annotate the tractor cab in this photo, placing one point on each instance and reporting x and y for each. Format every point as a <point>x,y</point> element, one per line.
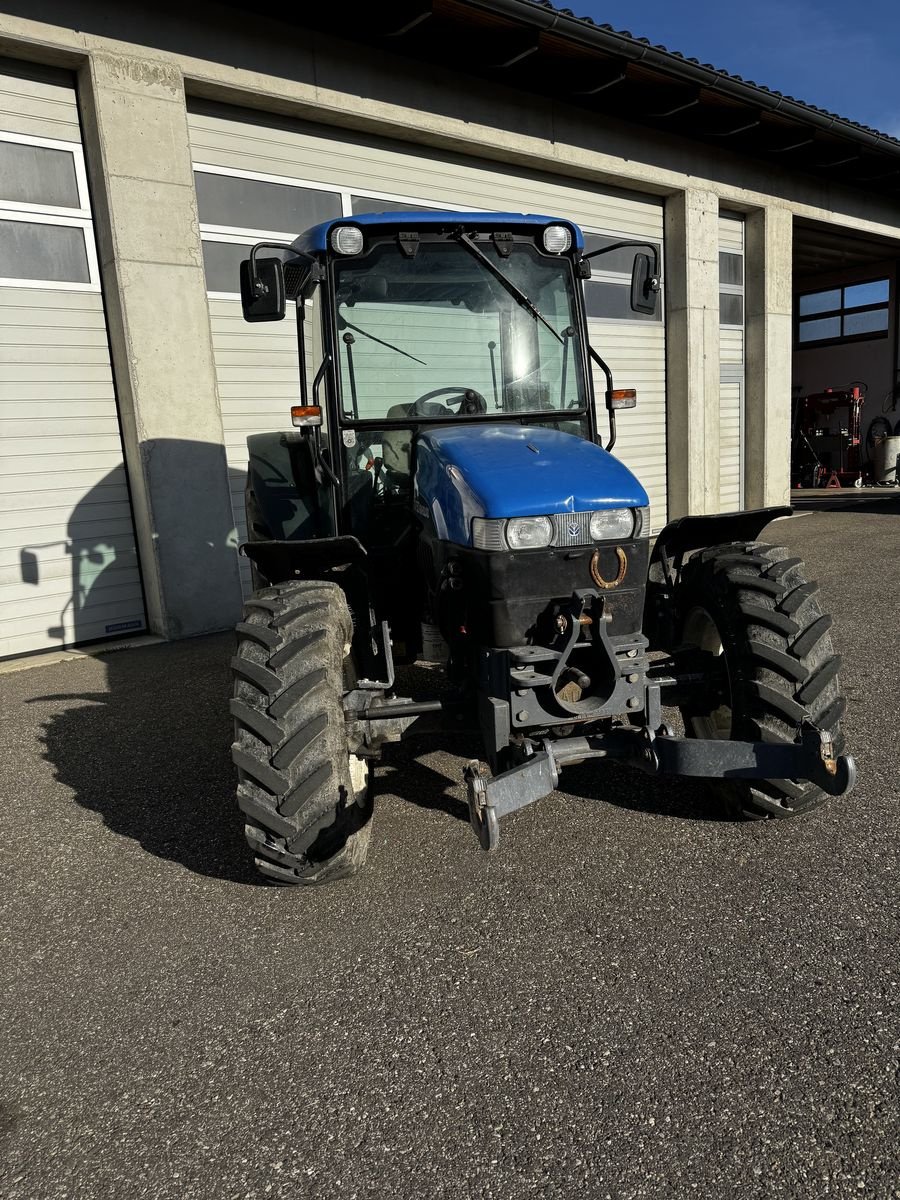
<point>421,322</point>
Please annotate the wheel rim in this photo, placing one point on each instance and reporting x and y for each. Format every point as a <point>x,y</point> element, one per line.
<point>358,766</point>
<point>359,779</point>
<point>700,630</point>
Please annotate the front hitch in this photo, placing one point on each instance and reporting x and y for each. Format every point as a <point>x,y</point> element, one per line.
<point>811,757</point>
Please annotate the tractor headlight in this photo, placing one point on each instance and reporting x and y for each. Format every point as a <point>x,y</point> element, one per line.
<point>612,525</point>
<point>529,533</point>
<point>562,530</point>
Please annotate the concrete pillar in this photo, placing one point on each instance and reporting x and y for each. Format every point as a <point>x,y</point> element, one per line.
<point>769,309</point>
<point>692,352</point>
<point>138,156</point>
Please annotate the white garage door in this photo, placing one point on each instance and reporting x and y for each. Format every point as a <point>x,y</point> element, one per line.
<point>258,178</point>
<point>68,566</point>
<point>731,362</point>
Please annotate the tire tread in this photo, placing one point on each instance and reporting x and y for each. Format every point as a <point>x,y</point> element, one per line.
<point>303,822</point>
<point>780,657</point>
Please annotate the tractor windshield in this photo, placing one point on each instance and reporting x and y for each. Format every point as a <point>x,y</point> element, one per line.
<point>436,334</point>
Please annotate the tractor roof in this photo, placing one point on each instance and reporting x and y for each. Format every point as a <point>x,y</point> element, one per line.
<point>316,239</point>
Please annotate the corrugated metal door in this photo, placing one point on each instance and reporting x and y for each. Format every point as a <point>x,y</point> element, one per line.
<point>68,564</point>
<point>260,177</point>
<point>731,362</point>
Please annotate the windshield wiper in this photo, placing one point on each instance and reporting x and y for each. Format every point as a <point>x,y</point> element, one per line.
<point>343,323</point>
<point>513,288</point>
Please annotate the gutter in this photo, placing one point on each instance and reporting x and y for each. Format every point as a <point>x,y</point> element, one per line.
<point>543,18</point>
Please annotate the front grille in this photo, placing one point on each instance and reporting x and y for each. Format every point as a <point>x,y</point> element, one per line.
<point>571,529</point>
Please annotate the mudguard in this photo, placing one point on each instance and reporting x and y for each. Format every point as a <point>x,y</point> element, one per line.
<point>681,537</point>
<point>278,560</point>
<point>282,490</point>
<point>692,533</point>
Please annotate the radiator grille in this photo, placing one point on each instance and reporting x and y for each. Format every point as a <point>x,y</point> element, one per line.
<point>571,529</point>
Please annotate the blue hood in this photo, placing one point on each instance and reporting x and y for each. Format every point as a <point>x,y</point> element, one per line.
<point>475,470</point>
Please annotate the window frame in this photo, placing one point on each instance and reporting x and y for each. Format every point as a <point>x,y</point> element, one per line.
<point>841,313</point>
<point>51,214</point>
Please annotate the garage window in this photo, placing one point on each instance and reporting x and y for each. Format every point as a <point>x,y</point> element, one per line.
<point>237,210</point>
<point>368,204</point>
<point>38,175</point>
<point>607,294</point>
<point>244,202</point>
<point>731,288</point>
<point>33,250</point>
<point>842,314</point>
<point>45,234</point>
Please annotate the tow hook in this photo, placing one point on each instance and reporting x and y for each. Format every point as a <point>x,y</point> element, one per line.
<point>826,749</point>
<point>482,816</point>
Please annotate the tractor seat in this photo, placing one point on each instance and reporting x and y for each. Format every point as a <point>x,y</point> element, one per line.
<point>396,443</point>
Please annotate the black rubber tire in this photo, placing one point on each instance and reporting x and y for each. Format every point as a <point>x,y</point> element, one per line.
<point>781,664</point>
<point>304,819</point>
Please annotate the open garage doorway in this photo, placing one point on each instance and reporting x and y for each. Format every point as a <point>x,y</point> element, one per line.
<point>846,360</point>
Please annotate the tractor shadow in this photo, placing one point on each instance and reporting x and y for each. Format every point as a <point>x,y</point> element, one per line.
<point>150,754</point>
<point>630,789</point>
<point>656,795</point>
<point>404,773</point>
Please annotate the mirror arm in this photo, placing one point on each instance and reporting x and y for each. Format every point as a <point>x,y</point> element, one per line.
<point>629,245</point>
<point>609,390</point>
<point>259,288</point>
<point>320,455</point>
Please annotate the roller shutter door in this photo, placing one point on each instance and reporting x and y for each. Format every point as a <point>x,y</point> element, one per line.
<point>68,565</point>
<point>731,362</point>
<point>259,177</point>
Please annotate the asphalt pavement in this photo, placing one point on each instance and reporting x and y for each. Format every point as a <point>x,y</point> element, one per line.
<point>632,998</point>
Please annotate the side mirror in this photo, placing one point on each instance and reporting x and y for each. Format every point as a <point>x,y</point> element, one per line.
<point>644,286</point>
<point>262,291</point>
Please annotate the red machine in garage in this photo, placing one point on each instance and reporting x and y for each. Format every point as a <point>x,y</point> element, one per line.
<point>825,438</point>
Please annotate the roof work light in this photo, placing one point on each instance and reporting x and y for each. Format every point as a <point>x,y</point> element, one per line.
<point>347,239</point>
<point>557,239</point>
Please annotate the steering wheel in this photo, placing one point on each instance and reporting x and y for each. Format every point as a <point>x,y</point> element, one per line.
<point>470,401</point>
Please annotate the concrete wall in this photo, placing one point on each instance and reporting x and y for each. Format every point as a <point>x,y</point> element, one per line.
<point>135,64</point>
<point>135,133</point>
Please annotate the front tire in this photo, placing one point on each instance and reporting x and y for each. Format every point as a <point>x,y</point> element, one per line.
<point>752,604</point>
<point>305,797</point>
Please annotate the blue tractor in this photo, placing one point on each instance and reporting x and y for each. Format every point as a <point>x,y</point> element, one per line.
<point>444,495</point>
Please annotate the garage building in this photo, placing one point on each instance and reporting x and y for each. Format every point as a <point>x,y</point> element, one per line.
<point>143,150</point>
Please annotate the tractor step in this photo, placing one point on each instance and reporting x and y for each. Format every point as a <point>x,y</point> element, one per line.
<point>524,677</point>
<point>525,656</point>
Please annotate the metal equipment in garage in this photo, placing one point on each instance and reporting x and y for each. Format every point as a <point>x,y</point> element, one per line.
<point>444,490</point>
<point>825,438</point>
